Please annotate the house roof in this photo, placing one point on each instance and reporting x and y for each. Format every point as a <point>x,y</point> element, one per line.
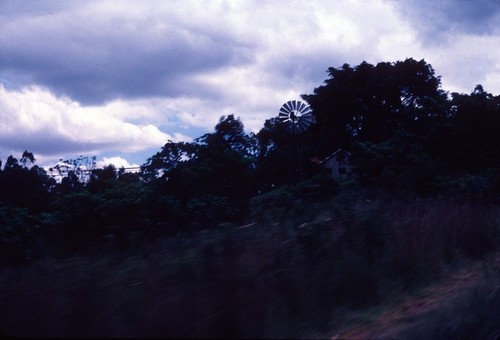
<point>336,153</point>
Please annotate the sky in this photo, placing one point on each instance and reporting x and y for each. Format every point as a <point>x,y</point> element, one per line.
<point>118,79</point>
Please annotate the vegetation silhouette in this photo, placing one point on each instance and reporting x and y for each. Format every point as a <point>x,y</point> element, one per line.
<point>221,243</point>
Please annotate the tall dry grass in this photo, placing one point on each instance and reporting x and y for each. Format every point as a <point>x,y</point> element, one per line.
<point>291,273</point>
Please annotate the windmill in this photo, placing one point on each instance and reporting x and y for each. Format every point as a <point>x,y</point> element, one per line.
<point>299,117</point>
<point>297,114</point>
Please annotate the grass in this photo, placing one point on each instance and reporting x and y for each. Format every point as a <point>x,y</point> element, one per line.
<point>463,304</point>
<point>295,271</point>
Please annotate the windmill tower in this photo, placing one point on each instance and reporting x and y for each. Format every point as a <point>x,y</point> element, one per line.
<point>298,116</point>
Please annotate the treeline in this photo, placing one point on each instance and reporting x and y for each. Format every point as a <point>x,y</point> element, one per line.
<point>404,132</point>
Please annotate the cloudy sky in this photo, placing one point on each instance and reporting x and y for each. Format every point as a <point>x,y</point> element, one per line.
<point>118,79</point>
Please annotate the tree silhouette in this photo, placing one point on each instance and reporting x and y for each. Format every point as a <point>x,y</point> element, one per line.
<point>210,178</point>
<point>369,103</point>
<point>24,184</point>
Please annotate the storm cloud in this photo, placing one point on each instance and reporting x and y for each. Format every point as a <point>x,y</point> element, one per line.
<point>102,77</point>
<point>93,57</point>
<point>438,20</point>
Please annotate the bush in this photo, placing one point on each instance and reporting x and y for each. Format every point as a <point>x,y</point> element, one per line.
<point>20,239</point>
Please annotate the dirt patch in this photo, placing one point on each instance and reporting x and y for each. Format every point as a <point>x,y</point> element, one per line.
<point>413,312</point>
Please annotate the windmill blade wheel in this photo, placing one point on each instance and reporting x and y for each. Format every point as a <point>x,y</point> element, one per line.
<point>297,114</point>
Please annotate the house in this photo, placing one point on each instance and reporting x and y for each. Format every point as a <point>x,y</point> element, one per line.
<point>338,163</point>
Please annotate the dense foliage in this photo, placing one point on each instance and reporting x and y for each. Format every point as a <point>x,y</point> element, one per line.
<point>310,262</point>
<point>404,132</point>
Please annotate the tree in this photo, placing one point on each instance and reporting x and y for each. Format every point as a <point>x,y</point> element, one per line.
<point>70,183</point>
<point>101,179</point>
<point>25,184</point>
<point>274,155</point>
<point>167,159</point>
<point>220,172</point>
<point>209,179</point>
<point>27,159</point>
<point>402,161</point>
<point>369,103</point>
<point>229,135</point>
<point>478,117</point>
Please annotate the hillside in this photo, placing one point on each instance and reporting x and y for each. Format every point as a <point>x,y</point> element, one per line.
<point>465,304</point>
<point>313,261</point>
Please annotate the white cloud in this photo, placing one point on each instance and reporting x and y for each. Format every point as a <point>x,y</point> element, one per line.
<point>477,64</point>
<point>117,161</point>
<point>36,120</point>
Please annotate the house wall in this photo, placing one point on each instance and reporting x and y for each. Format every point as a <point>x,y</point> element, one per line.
<point>338,166</point>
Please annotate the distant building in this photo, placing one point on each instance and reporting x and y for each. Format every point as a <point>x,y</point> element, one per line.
<point>339,163</point>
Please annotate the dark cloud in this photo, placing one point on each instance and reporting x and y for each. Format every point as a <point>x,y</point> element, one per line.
<point>48,145</point>
<point>38,8</point>
<point>96,62</point>
<point>435,20</point>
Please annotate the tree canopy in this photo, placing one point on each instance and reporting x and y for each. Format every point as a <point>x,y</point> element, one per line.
<point>403,130</point>
<point>370,103</point>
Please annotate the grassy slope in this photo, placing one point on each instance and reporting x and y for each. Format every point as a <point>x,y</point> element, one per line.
<point>302,267</point>
<point>465,304</point>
